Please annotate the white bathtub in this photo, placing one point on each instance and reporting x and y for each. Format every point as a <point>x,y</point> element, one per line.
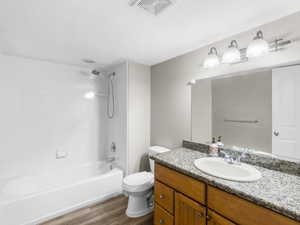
<point>29,200</point>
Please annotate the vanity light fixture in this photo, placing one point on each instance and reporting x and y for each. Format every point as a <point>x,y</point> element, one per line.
<point>232,54</point>
<point>212,60</point>
<point>258,46</point>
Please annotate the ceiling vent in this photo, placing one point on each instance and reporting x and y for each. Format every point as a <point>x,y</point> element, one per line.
<point>152,6</point>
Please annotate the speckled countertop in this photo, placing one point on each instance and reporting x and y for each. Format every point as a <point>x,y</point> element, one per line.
<point>275,190</point>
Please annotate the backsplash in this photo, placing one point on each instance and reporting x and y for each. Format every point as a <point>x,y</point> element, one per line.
<point>268,162</point>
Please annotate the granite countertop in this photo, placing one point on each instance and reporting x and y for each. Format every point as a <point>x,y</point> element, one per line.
<point>275,190</point>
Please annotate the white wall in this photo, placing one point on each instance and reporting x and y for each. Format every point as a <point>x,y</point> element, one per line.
<point>43,110</point>
<point>130,127</point>
<point>201,121</point>
<point>139,81</point>
<point>171,97</point>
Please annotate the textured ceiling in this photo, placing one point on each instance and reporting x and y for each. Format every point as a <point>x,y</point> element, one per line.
<point>108,31</point>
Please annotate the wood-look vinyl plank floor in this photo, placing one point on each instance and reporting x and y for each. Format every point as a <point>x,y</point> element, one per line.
<point>111,212</point>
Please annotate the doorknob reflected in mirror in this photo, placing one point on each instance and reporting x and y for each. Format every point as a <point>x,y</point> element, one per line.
<point>276,133</point>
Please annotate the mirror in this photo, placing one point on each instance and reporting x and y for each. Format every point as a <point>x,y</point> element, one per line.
<point>258,110</point>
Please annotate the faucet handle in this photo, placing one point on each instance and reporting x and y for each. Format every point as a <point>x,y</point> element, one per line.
<point>242,155</point>
<point>227,157</point>
<point>111,159</point>
<point>225,154</point>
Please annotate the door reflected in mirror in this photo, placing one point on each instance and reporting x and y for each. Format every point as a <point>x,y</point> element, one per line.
<point>257,110</point>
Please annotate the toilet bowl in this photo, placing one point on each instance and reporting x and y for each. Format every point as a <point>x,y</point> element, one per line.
<point>139,187</point>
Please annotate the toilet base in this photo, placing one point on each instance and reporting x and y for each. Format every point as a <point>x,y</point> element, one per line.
<point>138,206</point>
<point>140,213</point>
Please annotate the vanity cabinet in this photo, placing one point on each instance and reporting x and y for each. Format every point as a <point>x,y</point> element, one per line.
<point>183,200</point>
<point>215,219</point>
<point>164,196</point>
<point>161,216</point>
<point>188,212</point>
<point>241,211</point>
<point>181,183</point>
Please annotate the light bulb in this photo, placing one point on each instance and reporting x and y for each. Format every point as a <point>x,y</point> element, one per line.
<point>232,54</point>
<point>90,95</point>
<point>258,46</point>
<point>212,60</point>
<point>191,82</point>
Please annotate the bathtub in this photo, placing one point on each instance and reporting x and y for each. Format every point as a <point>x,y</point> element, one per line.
<point>29,200</point>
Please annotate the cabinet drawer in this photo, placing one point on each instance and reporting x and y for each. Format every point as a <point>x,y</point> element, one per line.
<point>242,211</point>
<point>162,217</point>
<point>182,183</point>
<point>164,196</point>
<point>215,219</point>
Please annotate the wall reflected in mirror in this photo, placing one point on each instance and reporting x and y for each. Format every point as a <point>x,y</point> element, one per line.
<point>258,110</point>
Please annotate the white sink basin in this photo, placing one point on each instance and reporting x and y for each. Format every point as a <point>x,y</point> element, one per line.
<point>218,167</point>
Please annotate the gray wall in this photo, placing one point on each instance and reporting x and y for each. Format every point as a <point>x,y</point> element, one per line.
<point>243,98</point>
<point>171,97</point>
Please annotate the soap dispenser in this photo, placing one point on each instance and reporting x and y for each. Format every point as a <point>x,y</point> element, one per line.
<point>220,144</point>
<point>213,148</point>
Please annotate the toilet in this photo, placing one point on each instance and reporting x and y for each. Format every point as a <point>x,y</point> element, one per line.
<point>139,187</point>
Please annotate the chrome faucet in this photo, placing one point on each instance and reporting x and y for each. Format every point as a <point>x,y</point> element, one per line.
<point>111,161</point>
<point>232,160</point>
<point>228,158</point>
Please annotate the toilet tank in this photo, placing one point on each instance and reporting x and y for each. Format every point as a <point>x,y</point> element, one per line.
<point>153,150</point>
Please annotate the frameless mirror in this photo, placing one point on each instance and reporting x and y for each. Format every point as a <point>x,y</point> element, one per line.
<point>257,110</point>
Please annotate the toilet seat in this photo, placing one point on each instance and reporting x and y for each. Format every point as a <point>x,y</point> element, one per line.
<point>138,182</point>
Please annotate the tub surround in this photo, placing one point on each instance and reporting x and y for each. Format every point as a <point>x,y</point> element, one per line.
<point>266,161</point>
<point>276,190</point>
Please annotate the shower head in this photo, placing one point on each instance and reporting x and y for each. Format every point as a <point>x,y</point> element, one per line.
<point>94,74</point>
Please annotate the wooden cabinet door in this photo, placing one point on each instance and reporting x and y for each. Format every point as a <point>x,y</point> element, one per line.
<point>188,212</point>
<point>161,216</point>
<point>215,219</point>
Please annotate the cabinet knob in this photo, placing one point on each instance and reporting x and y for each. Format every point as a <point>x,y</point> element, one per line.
<point>208,217</point>
<point>161,196</point>
<point>276,133</point>
<point>201,214</point>
<point>161,221</point>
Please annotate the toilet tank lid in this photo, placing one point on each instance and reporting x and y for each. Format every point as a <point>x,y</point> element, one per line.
<point>157,149</point>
